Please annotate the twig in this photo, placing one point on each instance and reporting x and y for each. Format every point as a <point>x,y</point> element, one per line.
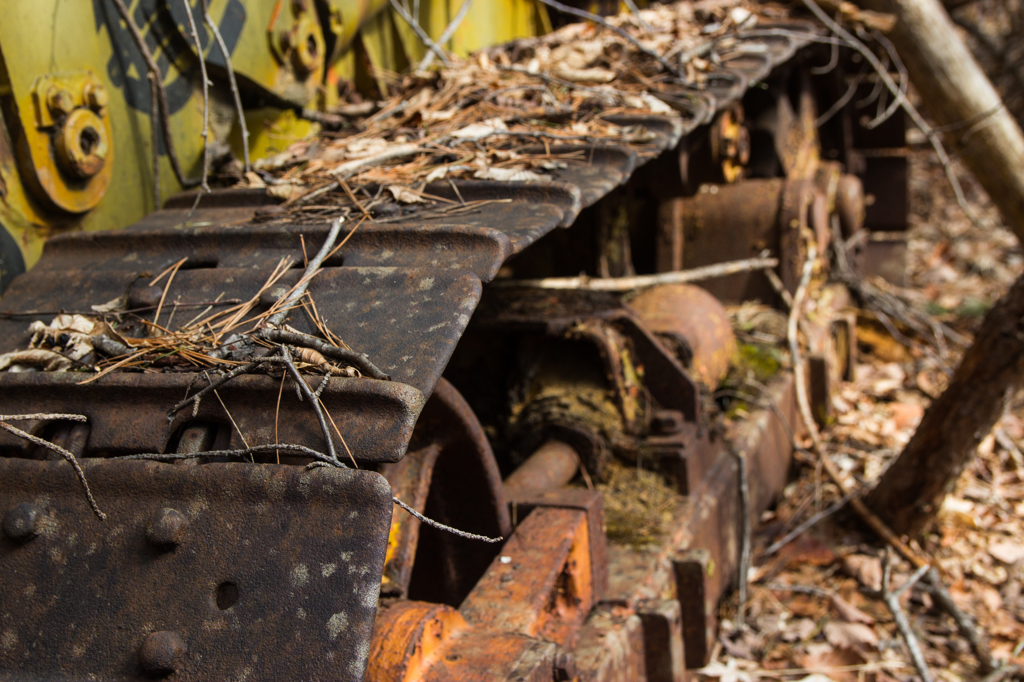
<point>640,281</point>
<point>346,170</point>
<point>241,369</point>
<point>154,121</point>
<point>780,288</point>
<point>248,452</point>
<point>441,526</point>
<point>968,628</point>
<point>446,35</point>
<point>304,387</point>
<point>1001,673</point>
<point>911,110</point>
<point>230,418</point>
<point>583,14</point>
<point>639,19</point>
<point>796,532</point>
<point>232,82</point>
<point>358,360</point>
<point>892,601</point>
<point>170,278</point>
<point>745,530</point>
<point>804,406</point>
<point>904,81</point>
<point>165,109</point>
<point>314,265</point>
<point>423,35</point>
<point>206,100</point>
<point>277,411</point>
<point>56,448</point>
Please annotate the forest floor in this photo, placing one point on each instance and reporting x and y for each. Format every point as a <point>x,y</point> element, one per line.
<point>812,612</point>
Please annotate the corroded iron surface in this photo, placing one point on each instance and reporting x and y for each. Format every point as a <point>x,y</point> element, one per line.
<point>214,572</point>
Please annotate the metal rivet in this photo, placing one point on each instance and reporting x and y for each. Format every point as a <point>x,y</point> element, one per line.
<point>23,521</point>
<point>166,527</point>
<point>161,652</point>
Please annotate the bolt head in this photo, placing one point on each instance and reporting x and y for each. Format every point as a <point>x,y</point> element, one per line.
<point>59,100</point>
<point>96,96</point>
<point>166,527</point>
<point>161,652</point>
<point>23,522</point>
<point>82,146</point>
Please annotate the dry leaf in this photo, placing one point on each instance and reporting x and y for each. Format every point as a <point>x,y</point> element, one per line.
<point>1008,552</point>
<point>488,127</point>
<point>826,660</point>
<point>38,357</point>
<point>405,195</point>
<point>798,630</point>
<point>114,305</point>
<point>906,415</point>
<point>867,570</point>
<point>284,191</point>
<point>849,612</point>
<point>850,636</point>
<point>509,175</point>
<point>584,75</point>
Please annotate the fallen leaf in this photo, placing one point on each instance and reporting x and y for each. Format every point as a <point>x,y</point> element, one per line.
<point>849,612</point>
<point>798,630</point>
<point>866,569</point>
<point>509,175</point>
<point>36,357</point>
<point>1008,552</point>
<point>113,305</point>
<point>830,661</point>
<point>405,195</point>
<point>482,129</point>
<point>906,415</point>
<point>807,550</point>
<point>284,191</point>
<point>850,635</point>
<point>727,672</point>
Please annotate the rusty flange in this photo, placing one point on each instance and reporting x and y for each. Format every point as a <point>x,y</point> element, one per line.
<point>692,321</point>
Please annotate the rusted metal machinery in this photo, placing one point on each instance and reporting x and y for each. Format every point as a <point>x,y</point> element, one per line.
<point>505,404</point>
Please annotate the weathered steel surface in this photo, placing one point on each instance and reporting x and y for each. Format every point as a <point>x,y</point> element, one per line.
<point>694,319</point>
<point>128,412</point>
<point>245,571</point>
<point>452,476</point>
<point>545,587</point>
<point>552,466</point>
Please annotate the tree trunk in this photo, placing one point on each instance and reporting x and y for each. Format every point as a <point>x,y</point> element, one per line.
<point>911,490</point>
<point>956,93</point>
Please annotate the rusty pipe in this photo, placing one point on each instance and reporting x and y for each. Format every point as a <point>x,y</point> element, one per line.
<point>550,467</point>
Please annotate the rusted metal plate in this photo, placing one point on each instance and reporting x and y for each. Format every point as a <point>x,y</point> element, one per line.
<point>264,573</point>
<point>542,584</point>
<point>407,320</point>
<point>207,241</point>
<point>128,412</point>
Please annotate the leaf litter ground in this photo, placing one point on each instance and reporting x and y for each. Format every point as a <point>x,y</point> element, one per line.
<point>811,614</point>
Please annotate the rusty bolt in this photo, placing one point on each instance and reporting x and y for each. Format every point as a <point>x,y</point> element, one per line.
<point>161,652</point>
<point>23,521</point>
<point>96,96</point>
<point>59,100</point>
<point>306,48</point>
<point>82,145</point>
<point>166,527</point>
